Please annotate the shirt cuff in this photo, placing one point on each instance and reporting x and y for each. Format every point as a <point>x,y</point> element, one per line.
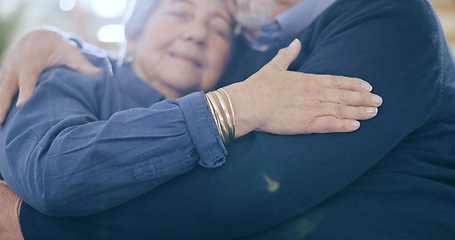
<point>202,130</point>
<point>37,226</point>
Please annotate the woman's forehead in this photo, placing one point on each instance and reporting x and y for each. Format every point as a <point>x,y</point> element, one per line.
<point>199,2</point>
<point>216,6</point>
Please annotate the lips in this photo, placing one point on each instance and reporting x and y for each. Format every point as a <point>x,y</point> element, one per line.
<point>188,58</point>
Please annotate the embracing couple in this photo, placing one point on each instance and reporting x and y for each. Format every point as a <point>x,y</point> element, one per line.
<point>132,150</point>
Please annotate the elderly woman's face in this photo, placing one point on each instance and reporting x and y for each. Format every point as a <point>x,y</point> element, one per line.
<point>183,46</point>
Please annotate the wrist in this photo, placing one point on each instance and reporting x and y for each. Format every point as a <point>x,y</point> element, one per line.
<point>244,115</point>
<point>223,113</point>
<point>9,213</point>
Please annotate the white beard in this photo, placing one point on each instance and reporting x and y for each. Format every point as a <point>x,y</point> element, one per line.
<point>253,13</point>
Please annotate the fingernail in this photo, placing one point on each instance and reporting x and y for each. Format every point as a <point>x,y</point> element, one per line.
<point>294,43</point>
<point>19,102</point>
<point>355,124</point>
<point>367,86</point>
<point>377,99</point>
<point>372,110</point>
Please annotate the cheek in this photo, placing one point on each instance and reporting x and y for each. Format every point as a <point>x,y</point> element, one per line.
<point>156,36</point>
<point>217,59</point>
<point>147,56</point>
<point>151,49</point>
<point>219,56</point>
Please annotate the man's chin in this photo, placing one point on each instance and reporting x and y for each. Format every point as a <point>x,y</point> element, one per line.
<point>253,14</point>
<point>249,22</point>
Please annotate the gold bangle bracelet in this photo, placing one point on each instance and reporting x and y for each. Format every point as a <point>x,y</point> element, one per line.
<point>218,116</point>
<point>224,115</point>
<point>217,122</point>
<point>232,113</point>
<point>228,117</point>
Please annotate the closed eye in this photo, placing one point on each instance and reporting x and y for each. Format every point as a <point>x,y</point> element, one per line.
<point>220,27</point>
<point>180,14</point>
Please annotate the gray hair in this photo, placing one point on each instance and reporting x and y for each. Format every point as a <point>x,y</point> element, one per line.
<point>137,15</point>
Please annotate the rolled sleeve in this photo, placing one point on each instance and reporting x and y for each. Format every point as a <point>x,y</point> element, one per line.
<point>202,130</point>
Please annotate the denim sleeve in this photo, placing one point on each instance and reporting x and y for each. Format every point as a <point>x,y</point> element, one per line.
<point>63,160</point>
<point>203,131</point>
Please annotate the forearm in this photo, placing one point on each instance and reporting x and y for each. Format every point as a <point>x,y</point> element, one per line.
<point>9,214</point>
<point>79,165</point>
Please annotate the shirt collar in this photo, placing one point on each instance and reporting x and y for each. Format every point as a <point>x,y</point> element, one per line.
<point>287,25</point>
<point>134,87</point>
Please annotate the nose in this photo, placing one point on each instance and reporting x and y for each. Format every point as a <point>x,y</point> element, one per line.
<point>196,32</point>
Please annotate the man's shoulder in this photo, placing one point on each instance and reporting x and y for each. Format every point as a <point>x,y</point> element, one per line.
<point>387,21</point>
<point>361,4</point>
<point>364,8</point>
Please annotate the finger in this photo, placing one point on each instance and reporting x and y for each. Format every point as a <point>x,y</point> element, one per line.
<point>346,83</point>
<point>327,124</point>
<point>75,60</point>
<point>4,106</point>
<point>352,98</point>
<point>7,92</point>
<point>27,83</point>
<point>8,89</point>
<point>341,111</point>
<point>286,56</point>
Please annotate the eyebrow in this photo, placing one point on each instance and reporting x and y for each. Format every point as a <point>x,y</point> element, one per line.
<point>223,17</point>
<point>192,3</point>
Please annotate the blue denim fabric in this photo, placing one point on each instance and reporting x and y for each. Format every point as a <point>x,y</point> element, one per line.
<point>83,144</point>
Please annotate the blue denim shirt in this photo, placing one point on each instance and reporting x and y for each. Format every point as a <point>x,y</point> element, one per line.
<point>83,143</point>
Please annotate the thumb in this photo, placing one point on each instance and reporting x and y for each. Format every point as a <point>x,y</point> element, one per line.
<point>28,79</point>
<point>286,56</point>
<point>78,62</point>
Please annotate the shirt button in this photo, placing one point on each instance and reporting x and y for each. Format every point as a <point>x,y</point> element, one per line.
<point>193,153</point>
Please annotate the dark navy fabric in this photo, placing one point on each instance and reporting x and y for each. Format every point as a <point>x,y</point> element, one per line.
<point>394,178</point>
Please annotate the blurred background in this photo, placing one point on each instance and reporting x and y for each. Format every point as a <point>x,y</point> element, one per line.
<point>96,21</point>
<point>99,21</point>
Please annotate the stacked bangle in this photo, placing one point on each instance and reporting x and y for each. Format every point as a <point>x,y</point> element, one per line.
<point>223,113</point>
